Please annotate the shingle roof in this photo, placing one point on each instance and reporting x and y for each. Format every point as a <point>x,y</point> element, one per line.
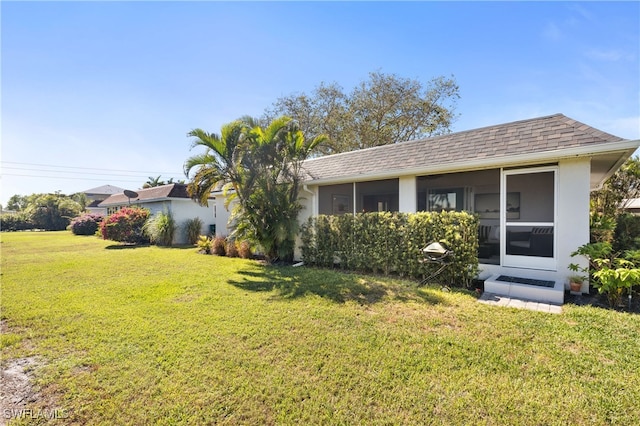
<point>104,190</point>
<point>536,135</point>
<point>173,190</point>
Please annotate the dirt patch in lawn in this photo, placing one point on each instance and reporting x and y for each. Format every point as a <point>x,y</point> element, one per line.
<point>16,389</point>
<point>19,397</point>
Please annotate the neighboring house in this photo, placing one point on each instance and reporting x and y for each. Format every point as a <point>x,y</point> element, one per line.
<point>171,198</point>
<point>632,206</point>
<point>98,195</point>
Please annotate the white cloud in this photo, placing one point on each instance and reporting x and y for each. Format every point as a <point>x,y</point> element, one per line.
<point>612,55</point>
<point>552,32</point>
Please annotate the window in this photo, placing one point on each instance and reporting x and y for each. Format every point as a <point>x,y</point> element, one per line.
<point>449,199</point>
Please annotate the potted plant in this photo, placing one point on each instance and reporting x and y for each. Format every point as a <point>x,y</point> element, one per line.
<point>575,283</point>
<point>576,280</point>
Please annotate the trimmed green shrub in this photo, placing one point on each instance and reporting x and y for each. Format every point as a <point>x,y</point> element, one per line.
<point>392,243</point>
<point>192,228</point>
<point>19,221</point>
<point>161,228</point>
<point>86,224</point>
<point>125,226</point>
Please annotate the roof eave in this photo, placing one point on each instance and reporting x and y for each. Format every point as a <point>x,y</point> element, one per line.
<point>150,200</point>
<point>625,148</point>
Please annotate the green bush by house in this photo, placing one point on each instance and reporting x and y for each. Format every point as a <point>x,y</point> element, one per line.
<point>392,243</point>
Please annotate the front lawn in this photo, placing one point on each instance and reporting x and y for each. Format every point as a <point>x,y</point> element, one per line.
<point>121,335</point>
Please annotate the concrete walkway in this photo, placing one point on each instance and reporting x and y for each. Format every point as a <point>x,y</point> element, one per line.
<point>497,300</point>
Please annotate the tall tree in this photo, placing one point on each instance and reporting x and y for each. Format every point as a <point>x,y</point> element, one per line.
<point>382,110</point>
<point>17,202</point>
<point>53,212</point>
<point>262,167</point>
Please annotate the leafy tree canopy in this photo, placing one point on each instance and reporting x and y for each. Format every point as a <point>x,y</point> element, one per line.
<point>382,110</point>
<point>18,202</point>
<point>53,212</point>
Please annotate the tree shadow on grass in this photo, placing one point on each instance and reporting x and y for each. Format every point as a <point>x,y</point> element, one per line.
<point>125,246</point>
<point>291,282</point>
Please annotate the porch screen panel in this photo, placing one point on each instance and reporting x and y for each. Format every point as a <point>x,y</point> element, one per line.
<point>529,209</point>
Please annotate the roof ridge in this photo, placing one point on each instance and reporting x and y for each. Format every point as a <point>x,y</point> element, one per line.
<point>433,138</point>
<point>587,128</point>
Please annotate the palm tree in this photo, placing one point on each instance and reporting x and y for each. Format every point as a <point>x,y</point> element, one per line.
<point>153,182</point>
<point>262,166</point>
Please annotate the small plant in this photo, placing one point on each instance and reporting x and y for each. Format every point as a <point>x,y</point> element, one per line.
<point>231,248</point>
<point>579,279</point>
<point>204,244</point>
<point>575,282</point>
<point>192,228</point>
<point>611,273</point>
<point>244,250</point>
<point>161,228</point>
<point>86,224</point>
<point>219,246</point>
<point>615,276</point>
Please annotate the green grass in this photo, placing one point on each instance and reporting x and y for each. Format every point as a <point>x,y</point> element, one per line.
<point>163,335</point>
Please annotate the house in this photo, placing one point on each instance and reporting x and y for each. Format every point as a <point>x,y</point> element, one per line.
<point>632,206</point>
<point>97,195</point>
<point>528,181</point>
<point>171,198</point>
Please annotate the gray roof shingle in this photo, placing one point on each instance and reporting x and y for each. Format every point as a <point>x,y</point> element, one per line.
<point>173,190</point>
<point>104,190</point>
<point>536,135</point>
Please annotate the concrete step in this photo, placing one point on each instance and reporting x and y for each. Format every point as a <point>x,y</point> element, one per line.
<point>517,290</point>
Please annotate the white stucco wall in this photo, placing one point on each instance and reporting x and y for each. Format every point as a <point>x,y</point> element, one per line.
<point>573,214</point>
<point>407,194</point>
<point>182,210</point>
<point>221,215</point>
<point>309,198</point>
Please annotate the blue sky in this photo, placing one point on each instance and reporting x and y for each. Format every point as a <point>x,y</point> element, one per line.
<point>98,93</point>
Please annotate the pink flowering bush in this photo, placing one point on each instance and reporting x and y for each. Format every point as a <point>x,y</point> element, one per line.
<point>125,226</point>
<point>86,224</point>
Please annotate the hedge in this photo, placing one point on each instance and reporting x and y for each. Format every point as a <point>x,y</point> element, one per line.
<point>19,221</point>
<point>392,243</point>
